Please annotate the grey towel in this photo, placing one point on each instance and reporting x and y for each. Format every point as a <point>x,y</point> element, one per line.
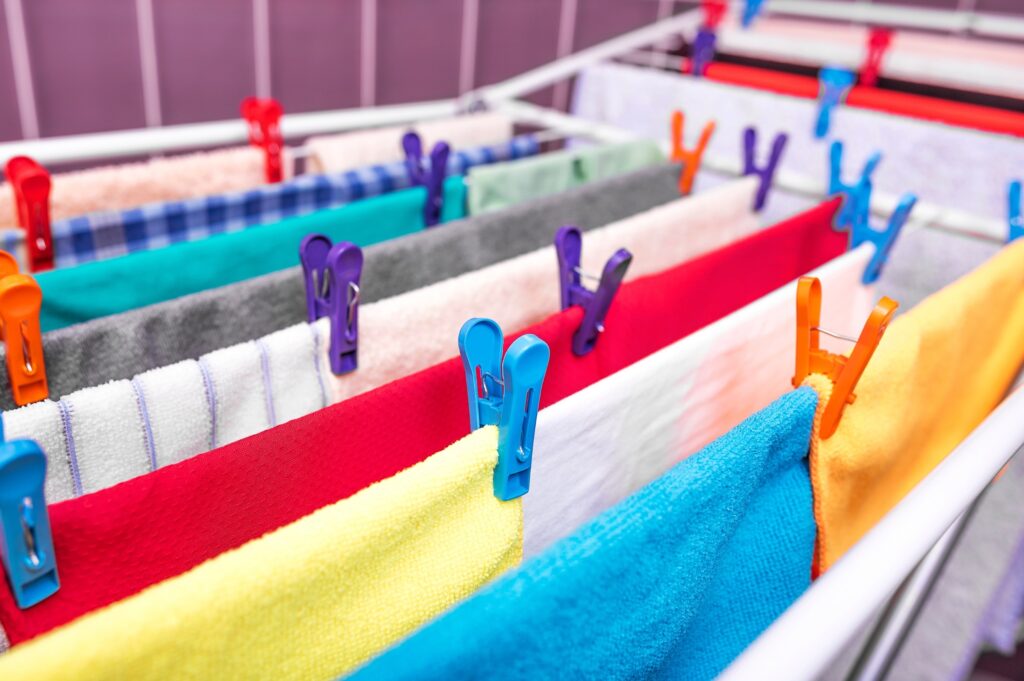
<point>120,346</point>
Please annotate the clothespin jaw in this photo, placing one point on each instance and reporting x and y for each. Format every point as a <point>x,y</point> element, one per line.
<point>264,119</point>
<point>751,10</point>
<point>766,172</point>
<point>690,158</point>
<point>432,177</point>
<point>703,51</point>
<point>834,84</point>
<point>861,231</point>
<point>332,275</point>
<point>510,402</point>
<point>31,184</point>
<point>595,304</point>
<point>20,302</point>
<point>856,196</point>
<point>844,372</point>
<point>1016,213</point>
<point>878,43</point>
<point>27,547</point>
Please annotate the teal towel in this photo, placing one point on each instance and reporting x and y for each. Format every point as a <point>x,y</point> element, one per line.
<point>106,287</point>
<point>672,583</point>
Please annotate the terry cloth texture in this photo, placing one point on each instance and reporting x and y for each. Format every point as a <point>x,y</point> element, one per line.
<point>672,583</point>
<point>179,516</point>
<point>250,387</point>
<point>109,234</point>
<point>943,366</point>
<point>337,153</point>
<point>505,183</point>
<point>132,184</point>
<point>106,287</point>
<point>642,100</point>
<point>313,599</point>
<point>120,346</point>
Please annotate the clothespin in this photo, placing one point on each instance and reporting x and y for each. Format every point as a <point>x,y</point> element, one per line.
<point>857,196</point>
<point>861,231</point>
<point>751,10</point>
<point>703,51</point>
<point>834,84</point>
<point>27,547</point>
<point>843,371</point>
<point>595,304</point>
<point>31,184</point>
<point>20,302</point>
<point>878,43</point>
<point>765,172</point>
<point>332,276</point>
<point>264,119</point>
<point>714,12</point>
<point>1016,214</point>
<point>507,394</point>
<point>690,158</point>
<point>432,177</point>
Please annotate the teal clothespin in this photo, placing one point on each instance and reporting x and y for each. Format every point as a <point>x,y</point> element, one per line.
<point>856,196</point>
<point>1016,214</point>
<point>751,10</point>
<point>834,83</point>
<point>861,231</point>
<point>505,393</point>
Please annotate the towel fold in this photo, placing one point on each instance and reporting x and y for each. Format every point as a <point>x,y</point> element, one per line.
<point>313,599</point>
<point>942,367</point>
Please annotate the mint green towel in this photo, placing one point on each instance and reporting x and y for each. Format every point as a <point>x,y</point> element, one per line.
<point>106,287</point>
<point>499,185</point>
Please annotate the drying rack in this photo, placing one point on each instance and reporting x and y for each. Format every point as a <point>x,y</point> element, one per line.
<point>909,546</point>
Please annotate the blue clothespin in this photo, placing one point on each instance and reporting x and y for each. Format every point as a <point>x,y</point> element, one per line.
<point>751,10</point>
<point>1016,215</point>
<point>834,82</point>
<point>332,274</point>
<point>766,172</point>
<point>861,231</point>
<point>703,51</point>
<point>27,548</point>
<point>432,177</point>
<point>507,394</point>
<point>856,196</point>
<point>595,304</point>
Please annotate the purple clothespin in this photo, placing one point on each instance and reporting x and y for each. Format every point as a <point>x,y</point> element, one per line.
<point>432,177</point>
<point>595,304</point>
<point>703,51</point>
<point>766,172</point>
<point>332,289</point>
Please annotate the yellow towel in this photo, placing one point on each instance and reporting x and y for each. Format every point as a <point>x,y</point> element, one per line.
<point>313,599</point>
<point>937,373</point>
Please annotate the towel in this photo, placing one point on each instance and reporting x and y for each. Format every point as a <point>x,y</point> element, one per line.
<point>126,344</point>
<point>126,185</point>
<point>95,289</point>
<point>505,184</point>
<point>942,367</point>
<point>336,153</point>
<point>397,336</point>
<point>672,583</point>
<point>642,100</point>
<point>179,516</point>
<point>313,599</point>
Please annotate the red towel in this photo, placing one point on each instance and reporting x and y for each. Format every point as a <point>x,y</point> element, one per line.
<point>118,541</point>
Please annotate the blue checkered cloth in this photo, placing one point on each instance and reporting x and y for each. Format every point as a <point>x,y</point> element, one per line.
<point>98,236</point>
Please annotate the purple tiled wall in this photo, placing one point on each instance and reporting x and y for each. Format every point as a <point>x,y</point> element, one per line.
<point>10,126</point>
<point>513,37</point>
<point>418,48</point>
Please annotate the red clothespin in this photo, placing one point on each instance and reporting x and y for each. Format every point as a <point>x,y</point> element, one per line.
<point>878,42</point>
<point>714,11</point>
<point>264,119</point>
<point>31,184</point>
<point>843,371</point>
<point>690,158</point>
<point>20,302</point>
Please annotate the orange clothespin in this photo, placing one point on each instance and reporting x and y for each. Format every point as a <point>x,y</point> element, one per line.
<point>878,42</point>
<point>264,119</point>
<point>20,302</point>
<point>690,158</point>
<point>843,371</point>
<point>31,184</point>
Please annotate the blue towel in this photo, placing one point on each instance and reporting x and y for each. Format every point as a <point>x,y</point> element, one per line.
<point>674,582</point>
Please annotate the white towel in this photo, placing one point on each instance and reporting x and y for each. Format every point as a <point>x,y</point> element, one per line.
<point>239,396</point>
<point>44,423</point>
<point>337,153</point>
<point>295,366</point>
<point>639,422</point>
<point>180,422</point>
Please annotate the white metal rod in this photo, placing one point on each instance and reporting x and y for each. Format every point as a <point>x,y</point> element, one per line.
<point>28,115</point>
<point>148,63</point>
<point>814,630</point>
